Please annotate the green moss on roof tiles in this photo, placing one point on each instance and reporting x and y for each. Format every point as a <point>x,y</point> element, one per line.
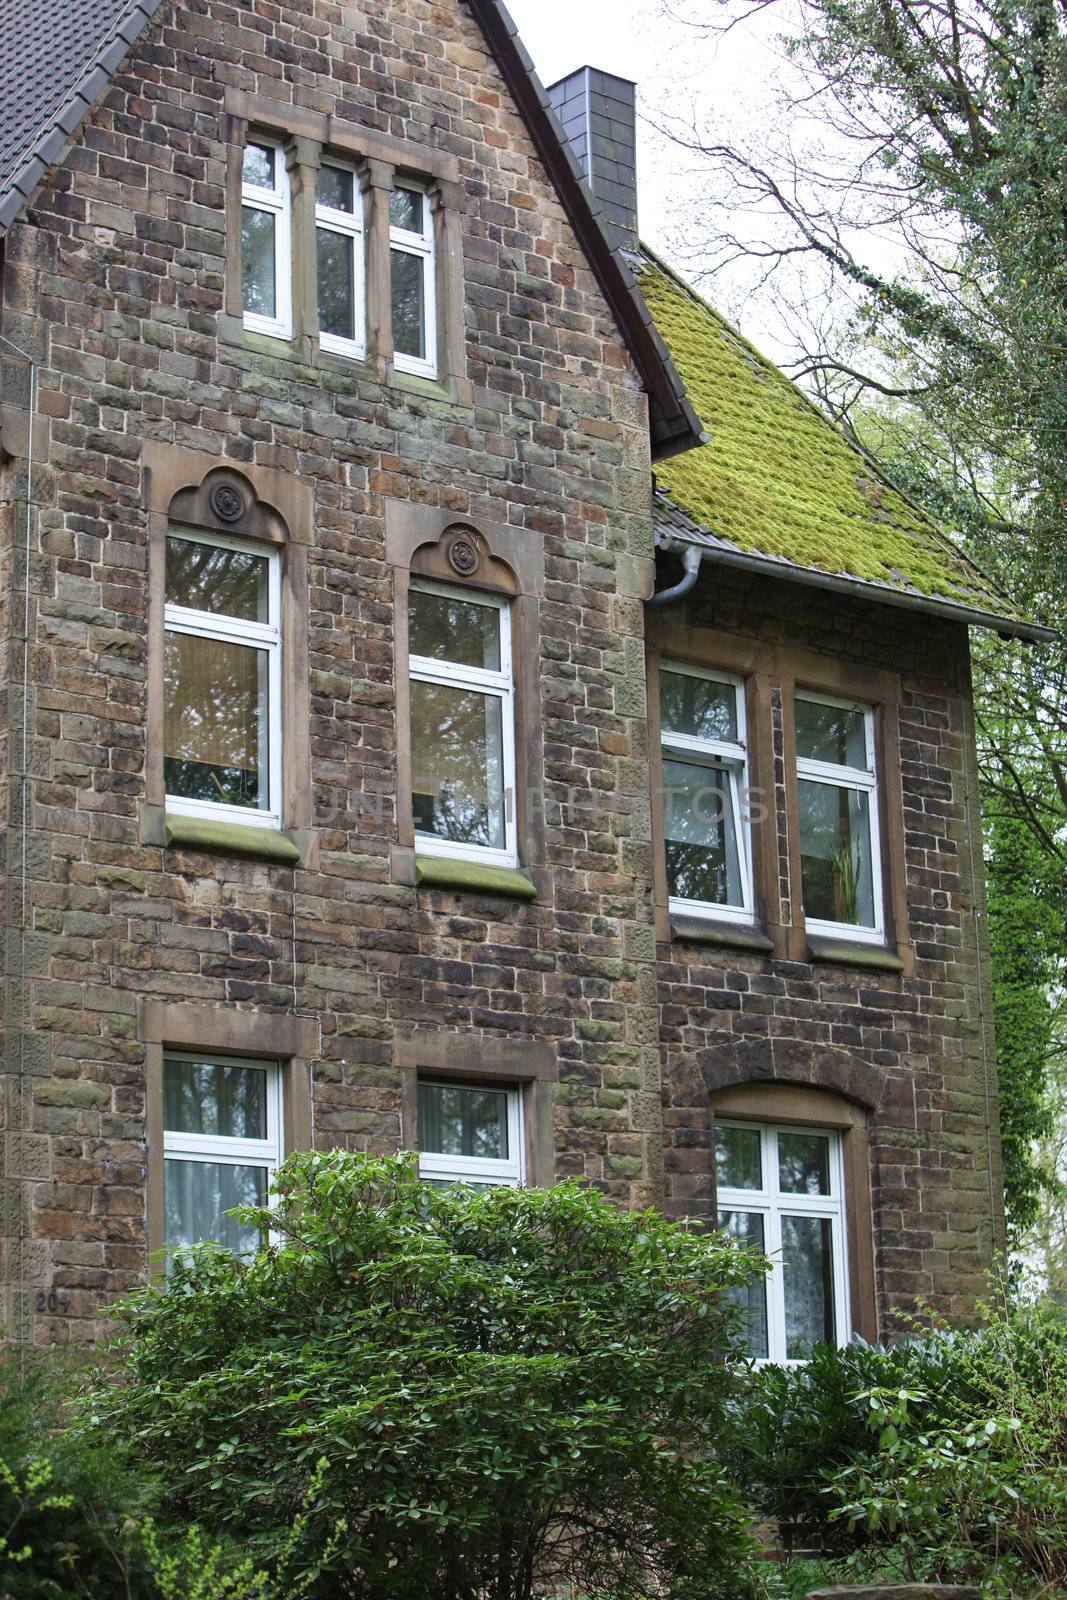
<point>778,479</point>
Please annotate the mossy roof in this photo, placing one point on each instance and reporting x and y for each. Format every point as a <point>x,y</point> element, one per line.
<point>779,481</point>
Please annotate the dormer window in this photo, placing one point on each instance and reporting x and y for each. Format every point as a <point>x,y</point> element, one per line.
<point>411,256</point>
<point>266,265</point>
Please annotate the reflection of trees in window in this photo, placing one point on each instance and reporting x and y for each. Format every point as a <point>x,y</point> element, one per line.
<point>215,732</point>
<point>220,658</point>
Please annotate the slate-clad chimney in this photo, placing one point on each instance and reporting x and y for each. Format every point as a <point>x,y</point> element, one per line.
<point>598,115</point>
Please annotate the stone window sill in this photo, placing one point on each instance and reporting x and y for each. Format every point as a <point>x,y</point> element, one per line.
<point>721,933</point>
<point>171,832</point>
<point>305,352</point>
<point>854,953</point>
<point>443,872</point>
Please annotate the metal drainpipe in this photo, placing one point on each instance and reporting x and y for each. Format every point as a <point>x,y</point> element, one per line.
<point>692,555</point>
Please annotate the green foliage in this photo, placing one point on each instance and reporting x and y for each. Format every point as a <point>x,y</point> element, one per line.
<point>1026,930</point>
<point>61,1500</point>
<point>792,1428</point>
<point>943,1459</point>
<point>499,1394</point>
<point>76,1526</point>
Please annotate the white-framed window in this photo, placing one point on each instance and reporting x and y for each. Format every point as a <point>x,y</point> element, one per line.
<point>781,1190</point>
<point>470,1133</point>
<point>266,251</point>
<point>341,268</point>
<point>706,825</point>
<point>413,279</point>
<point>222,679</point>
<point>462,724</point>
<point>837,802</point>
<point>222,1144</point>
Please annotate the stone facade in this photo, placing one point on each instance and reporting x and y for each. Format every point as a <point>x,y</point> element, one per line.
<point>119,283</point>
<point>913,1047</point>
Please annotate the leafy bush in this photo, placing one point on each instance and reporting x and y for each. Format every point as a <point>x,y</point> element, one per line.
<point>941,1459</point>
<point>66,1512</point>
<point>980,1494</point>
<point>502,1394</point>
<point>792,1428</point>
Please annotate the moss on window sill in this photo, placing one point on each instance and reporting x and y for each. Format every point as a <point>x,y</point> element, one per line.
<point>722,933</point>
<point>853,953</point>
<point>232,839</point>
<point>475,877</point>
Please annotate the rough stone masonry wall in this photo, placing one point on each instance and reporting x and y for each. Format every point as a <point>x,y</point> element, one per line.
<point>115,282</point>
<point>936,1205</point>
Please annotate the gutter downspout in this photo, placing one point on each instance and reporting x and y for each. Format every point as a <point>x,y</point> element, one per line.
<point>692,555</point>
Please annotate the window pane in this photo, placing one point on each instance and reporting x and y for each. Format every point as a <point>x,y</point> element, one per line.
<point>405,209</point>
<point>831,733</point>
<point>225,1101</point>
<point>215,721</point>
<point>803,1163</point>
<point>456,1120</point>
<point>457,763</point>
<point>447,628</point>
<point>738,1163</point>
<point>258,166</point>
<point>335,188</point>
<point>697,707</point>
<point>257,262</point>
<point>836,864</point>
<point>808,1280</point>
<point>336,253</point>
<point>409,319</point>
<point>197,1195</point>
<point>745,1228</point>
<point>701,839</point>
<point>205,577</point>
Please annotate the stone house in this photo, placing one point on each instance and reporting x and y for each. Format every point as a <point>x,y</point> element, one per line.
<point>458,696</point>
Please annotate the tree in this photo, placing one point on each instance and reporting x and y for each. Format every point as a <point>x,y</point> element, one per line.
<point>493,1395</point>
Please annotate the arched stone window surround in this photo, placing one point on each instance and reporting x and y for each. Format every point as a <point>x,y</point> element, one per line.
<point>185,488</point>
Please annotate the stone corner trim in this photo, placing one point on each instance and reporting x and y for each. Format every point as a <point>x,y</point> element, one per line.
<point>442,872</point>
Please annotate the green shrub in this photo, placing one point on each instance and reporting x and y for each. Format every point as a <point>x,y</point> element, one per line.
<point>791,1429</point>
<point>506,1394</point>
<point>979,1495</point>
<point>940,1459</point>
<point>66,1511</point>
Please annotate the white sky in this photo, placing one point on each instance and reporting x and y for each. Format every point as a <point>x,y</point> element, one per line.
<point>676,71</point>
